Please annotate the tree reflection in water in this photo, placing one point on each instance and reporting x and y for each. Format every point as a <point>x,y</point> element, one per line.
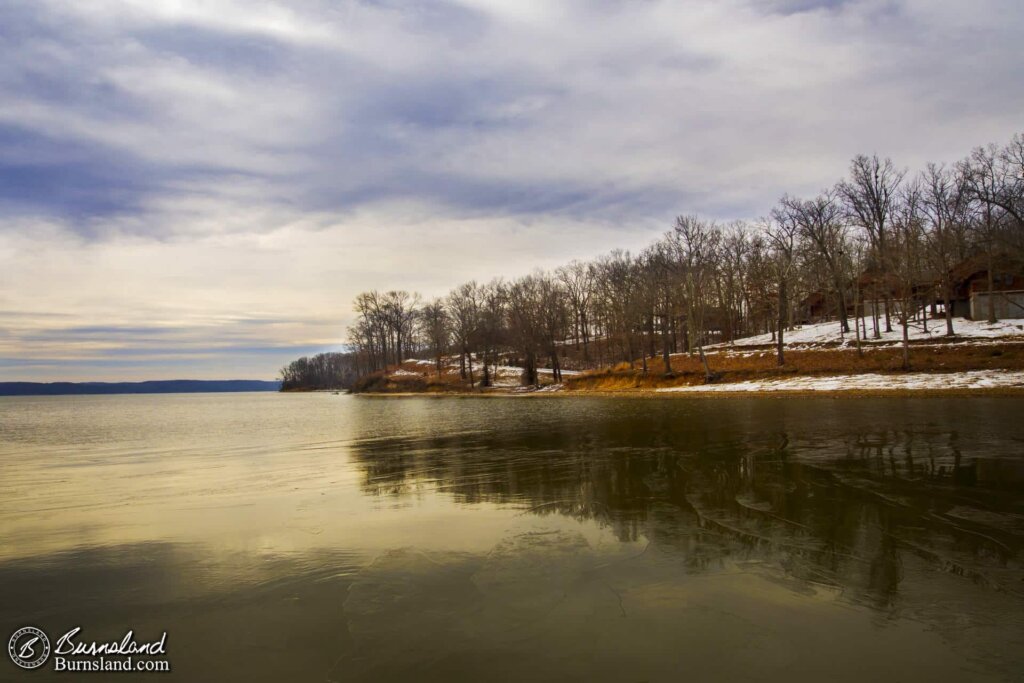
<point>891,512</point>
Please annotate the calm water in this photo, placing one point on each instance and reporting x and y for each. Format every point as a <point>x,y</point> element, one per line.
<point>320,537</point>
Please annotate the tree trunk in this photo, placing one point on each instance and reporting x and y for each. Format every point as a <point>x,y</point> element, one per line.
<point>782,322</point>
<point>586,338</point>
<point>485,380</point>
<point>949,312</point>
<point>664,346</point>
<point>531,370</point>
<point>690,330</point>
<point>650,335</point>
<point>708,375</point>
<point>906,340</point>
<point>857,320</point>
<point>991,290</point>
<point>874,318</point>
<point>863,323</point>
<point>558,366</point>
<point>844,324</point>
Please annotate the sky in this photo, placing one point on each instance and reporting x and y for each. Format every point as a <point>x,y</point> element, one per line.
<point>199,188</point>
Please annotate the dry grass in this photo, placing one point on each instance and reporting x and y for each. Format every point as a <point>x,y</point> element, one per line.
<point>416,378</point>
<point>741,365</point>
<point>731,365</point>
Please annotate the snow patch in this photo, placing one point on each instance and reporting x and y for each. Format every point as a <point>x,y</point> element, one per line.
<point>828,332</point>
<point>974,379</point>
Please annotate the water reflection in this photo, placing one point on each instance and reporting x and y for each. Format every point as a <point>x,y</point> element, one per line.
<point>907,520</point>
<point>836,517</point>
<point>344,539</point>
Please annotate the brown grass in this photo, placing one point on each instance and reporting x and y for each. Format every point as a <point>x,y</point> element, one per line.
<point>415,378</point>
<point>731,365</point>
<point>741,364</point>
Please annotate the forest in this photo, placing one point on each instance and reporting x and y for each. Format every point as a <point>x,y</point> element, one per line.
<point>878,250</point>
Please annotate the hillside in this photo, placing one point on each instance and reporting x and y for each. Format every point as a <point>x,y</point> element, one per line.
<point>979,356</point>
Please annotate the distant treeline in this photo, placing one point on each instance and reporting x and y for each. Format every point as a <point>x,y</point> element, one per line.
<point>877,248</point>
<point>175,386</point>
<point>322,371</point>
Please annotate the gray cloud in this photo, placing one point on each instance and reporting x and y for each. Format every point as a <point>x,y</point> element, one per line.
<point>223,144</point>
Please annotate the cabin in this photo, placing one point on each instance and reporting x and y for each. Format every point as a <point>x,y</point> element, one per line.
<point>814,308</point>
<point>970,294</point>
<point>876,287</point>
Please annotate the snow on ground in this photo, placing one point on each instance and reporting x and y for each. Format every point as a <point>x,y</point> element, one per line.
<point>821,333</point>
<point>509,375</point>
<point>974,379</point>
<point>503,376</point>
<point>506,376</point>
<point>546,389</point>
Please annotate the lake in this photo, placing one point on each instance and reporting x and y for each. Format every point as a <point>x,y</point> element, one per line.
<point>316,537</point>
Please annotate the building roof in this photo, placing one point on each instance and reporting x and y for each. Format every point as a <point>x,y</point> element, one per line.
<point>975,265</point>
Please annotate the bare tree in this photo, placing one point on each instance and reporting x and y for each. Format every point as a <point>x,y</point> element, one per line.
<point>399,311</point>
<point>760,295</point>
<point>437,329</point>
<point>995,179</point>
<point>616,283</point>
<point>870,196</point>
<point>695,244</point>
<point>732,281</point>
<point>464,312</point>
<point>945,201</point>
<point>906,257</point>
<point>821,222</point>
<point>659,263</point>
<point>525,325</point>
<point>578,280</point>
<point>995,176</point>
<point>553,318</point>
<point>782,230</point>
<point>492,324</point>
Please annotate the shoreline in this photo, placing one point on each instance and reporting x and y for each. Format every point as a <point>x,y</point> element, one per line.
<point>971,367</point>
<point>977,382</point>
<point>979,392</point>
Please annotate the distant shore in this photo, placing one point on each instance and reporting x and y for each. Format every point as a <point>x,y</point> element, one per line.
<point>173,386</point>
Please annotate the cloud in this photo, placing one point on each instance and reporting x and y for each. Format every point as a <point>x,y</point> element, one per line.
<point>270,159</point>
